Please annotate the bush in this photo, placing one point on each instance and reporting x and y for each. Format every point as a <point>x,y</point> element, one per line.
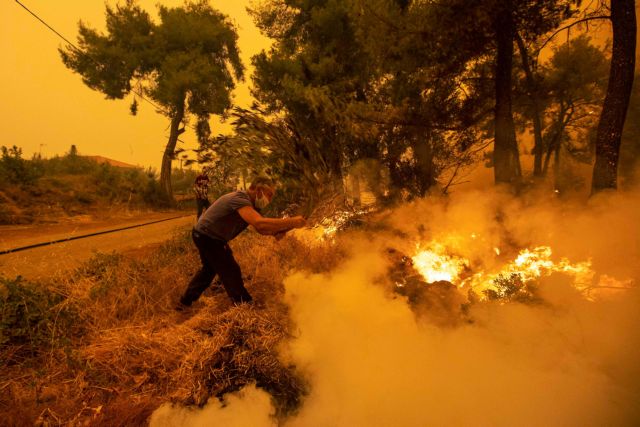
<point>513,288</point>
<point>75,184</point>
<point>154,195</point>
<point>16,170</point>
<point>71,164</point>
<point>33,316</point>
<point>182,180</point>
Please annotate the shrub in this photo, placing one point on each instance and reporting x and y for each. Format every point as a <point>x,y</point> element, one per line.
<point>71,164</point>
<point>16,170</point>
<point>33,316</point>
<point>154,195</point>
<point>182,180</point>
<point>513,288</point>
<point>103,268</point>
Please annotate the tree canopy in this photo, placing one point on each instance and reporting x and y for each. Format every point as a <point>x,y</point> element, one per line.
<point>186,64</point>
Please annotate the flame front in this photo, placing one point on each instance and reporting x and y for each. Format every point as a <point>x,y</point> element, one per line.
<point>434,265</point>
<point>326,229</point>
<point>529,265</point>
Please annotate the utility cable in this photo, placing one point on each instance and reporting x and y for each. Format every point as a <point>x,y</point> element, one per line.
<point>80,51</point>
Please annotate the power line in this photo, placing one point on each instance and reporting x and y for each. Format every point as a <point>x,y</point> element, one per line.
<point>80,51</point>
<point>46,25</point>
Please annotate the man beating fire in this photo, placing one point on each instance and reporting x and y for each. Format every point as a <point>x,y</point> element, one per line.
<point>227,217</point>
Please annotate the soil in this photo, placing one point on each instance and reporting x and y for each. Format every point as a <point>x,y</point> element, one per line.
<point>49,260</point>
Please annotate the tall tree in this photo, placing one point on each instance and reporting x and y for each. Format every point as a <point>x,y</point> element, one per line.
<point>187,63</point>
<point>506,160</point>
<point>494,26</point>
<point>629,168</point>
<point>533,92</point>
<point>422,97</point>
<point>573,85</point>
<point>616,102</point>
<point>314,64</point>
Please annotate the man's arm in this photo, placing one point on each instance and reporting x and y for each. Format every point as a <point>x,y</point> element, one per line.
<point>269,226</point>
<point>280,234</point>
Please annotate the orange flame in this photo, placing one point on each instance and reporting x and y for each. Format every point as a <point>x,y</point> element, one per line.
<point>532,264</point>
<point>435,264</point>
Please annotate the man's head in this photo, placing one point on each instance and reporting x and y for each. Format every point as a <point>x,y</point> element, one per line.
<point>261,191</point>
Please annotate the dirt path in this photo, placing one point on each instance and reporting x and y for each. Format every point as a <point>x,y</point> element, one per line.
<point>13,236</point>
<point>51,259</point>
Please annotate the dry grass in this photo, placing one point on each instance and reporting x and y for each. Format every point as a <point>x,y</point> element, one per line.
<point>133,352</point>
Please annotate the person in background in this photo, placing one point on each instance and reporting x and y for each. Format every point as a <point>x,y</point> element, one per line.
<point>227,217</point>
<point>201,189</point>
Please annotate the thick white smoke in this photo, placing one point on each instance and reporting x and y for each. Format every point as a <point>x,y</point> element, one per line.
<point>249,407</point>
<point>372,362</point>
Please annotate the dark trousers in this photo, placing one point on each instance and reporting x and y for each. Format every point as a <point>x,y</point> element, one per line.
<point>217,258</point>
<point>202,204</point>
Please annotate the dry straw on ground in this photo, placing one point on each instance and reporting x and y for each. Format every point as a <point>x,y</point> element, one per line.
<point>206,356</point>
<point>129,351</point>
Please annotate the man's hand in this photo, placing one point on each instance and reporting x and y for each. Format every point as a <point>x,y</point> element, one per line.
<point>269,226</point>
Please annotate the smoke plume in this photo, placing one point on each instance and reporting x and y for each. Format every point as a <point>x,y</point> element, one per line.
<point>372,361</point>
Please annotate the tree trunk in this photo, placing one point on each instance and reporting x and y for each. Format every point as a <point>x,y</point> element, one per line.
<point>424,163</point>
<point>616,102</point>
<point>556,168</point>
<point>538,147</point>
<point>556,140</point>
<point>169,151</point>
<point>355,189</point>
<point>506,162</point>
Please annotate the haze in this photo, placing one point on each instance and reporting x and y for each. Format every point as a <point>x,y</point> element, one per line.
<point>47,108</point>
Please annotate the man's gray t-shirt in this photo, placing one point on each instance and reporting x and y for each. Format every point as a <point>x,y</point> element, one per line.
<point>221,220</point>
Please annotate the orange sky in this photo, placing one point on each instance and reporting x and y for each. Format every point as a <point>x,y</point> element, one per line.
<point>45,107</point>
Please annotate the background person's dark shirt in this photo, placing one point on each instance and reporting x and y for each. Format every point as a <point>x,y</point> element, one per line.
<point>221,220</point>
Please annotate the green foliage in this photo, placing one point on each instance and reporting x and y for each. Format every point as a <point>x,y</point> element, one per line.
<point>33,316</point>
<point>182,180</point>
<point>187,63</point>
<point>419,99</point>
<point>70,164</point>
<point>101,267</point>
<point>512,288</point>
<point>315,68</point>
<point>569,89</point>
<point>154,195</point>
<point>196,52</point>
<point>100,264</point>
<point>577,71</point>
<point>16,170</point>
<point>74,184</point>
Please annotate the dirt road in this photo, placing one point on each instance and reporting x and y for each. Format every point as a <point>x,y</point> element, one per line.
<point>51,259</point>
